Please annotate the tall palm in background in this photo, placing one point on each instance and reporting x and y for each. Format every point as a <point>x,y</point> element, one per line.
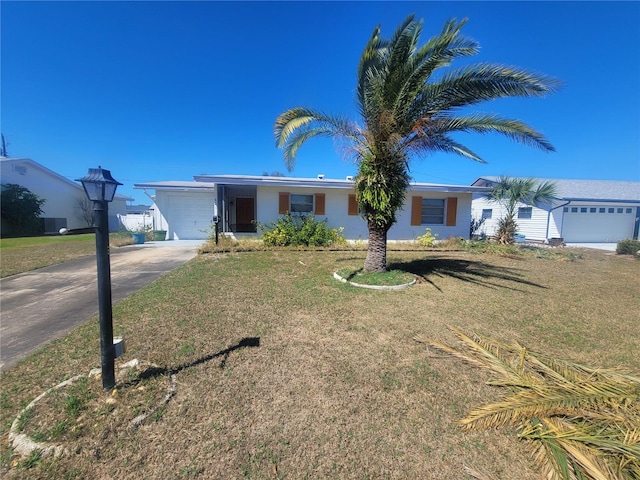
<point>406,111</point>
<point>511,192</point>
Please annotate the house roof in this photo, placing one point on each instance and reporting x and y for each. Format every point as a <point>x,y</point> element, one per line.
<point>33,163</point>
<point>585,190</point>
<point>208,181</point>
<point>175,185</point>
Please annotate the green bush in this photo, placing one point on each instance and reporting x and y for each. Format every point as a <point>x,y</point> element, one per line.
<point>628,247</point>
<point>301,230</point>
<point>428,239</point>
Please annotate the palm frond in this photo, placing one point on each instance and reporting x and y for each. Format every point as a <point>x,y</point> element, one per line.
<point>580,422</point>
<point>479,123</point>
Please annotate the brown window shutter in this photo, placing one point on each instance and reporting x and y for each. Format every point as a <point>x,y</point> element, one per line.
<point>452,210</point>
<point>283,203</point>
<point>352,208</point>
<point>416,210</point>
<point>319,204</point>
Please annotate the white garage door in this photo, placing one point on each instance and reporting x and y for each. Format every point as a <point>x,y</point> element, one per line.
<point>598,224</point>
<point>190,216</point>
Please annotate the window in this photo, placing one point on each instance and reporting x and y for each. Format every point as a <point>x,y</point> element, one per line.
<point>525,212</point>
<point>574,209</point>
<point>565,209</point>
<point>593,210</point>
<point>301,203</point>
<point>628,210</point>
<point>432,211</point>
<point>612,210</point>
<point>603,210</point>
<point>487,212</point>
<point>620,210</point>
<point>583,209</point>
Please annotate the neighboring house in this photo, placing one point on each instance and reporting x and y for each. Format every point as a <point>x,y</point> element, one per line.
<point>187,209</point>
<point>584,211</point>
<point>62,196</point>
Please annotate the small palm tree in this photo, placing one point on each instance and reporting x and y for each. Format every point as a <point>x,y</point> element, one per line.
<point>511,192</point>
<point>407,109</point>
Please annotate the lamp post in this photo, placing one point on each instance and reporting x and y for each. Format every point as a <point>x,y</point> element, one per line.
<point>100,187</point>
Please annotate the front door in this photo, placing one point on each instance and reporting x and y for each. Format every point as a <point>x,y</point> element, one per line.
<point>245,214</point>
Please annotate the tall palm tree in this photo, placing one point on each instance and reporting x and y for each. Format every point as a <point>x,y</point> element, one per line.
<point>406,109</point>
<point>511,192</point>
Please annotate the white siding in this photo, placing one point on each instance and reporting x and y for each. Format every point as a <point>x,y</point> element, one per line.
<point>541,226</point>
<point>61,196</point>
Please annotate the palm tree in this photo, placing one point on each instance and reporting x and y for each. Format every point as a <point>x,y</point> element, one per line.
<point>406,111</point>
<point>510,192</point>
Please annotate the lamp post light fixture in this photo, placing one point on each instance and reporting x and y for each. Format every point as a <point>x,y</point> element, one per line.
<point>100,187</point>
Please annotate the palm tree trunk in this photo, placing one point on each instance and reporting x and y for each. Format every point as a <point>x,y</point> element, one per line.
<point>376,260</point>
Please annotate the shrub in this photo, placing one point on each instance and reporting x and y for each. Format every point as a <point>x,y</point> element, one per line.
<point>428,239</point>
<point>301,230</point>
<point>628,247</point>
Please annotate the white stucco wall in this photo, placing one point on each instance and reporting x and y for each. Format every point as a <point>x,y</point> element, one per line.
<point>355,228</point>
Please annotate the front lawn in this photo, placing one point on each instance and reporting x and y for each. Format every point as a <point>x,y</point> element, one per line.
<point>281,371</point>
<point>30,253</point>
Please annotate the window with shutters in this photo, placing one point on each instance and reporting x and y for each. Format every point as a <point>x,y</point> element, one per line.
<point>301,203</point>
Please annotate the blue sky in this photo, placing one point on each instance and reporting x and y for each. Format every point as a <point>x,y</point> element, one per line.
<point>166,90</point>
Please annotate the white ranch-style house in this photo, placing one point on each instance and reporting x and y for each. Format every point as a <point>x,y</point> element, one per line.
<point>584,211</point>
<point>62,196</point>
<point>187,209</point>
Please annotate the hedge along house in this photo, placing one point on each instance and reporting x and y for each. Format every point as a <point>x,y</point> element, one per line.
<point>584,211</point>
<point>62,196</point>
<point>186,210</point>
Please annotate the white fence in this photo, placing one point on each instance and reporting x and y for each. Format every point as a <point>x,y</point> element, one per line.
<point>136,222</point>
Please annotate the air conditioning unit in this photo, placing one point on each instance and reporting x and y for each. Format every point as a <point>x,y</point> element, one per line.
<point>321,176</point>
<point>349,178</point>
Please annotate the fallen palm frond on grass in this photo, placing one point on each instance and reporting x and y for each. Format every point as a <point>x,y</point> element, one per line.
<point>581,422</point>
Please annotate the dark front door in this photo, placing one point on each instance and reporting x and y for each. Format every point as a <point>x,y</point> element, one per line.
<point>245,214</point>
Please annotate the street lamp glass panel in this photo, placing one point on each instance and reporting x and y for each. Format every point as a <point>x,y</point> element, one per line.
<point>99,185</point>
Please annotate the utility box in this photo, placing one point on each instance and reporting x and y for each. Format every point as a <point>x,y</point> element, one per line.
<point>118,346</point>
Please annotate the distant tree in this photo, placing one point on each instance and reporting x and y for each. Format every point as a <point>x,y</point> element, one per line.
<point>20,209</point>
<point>510,192</point>
<point>408,107</point>
<point>85,206</point>
<point>272,174</point>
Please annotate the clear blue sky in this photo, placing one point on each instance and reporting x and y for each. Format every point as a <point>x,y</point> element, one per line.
<point>167,90</point>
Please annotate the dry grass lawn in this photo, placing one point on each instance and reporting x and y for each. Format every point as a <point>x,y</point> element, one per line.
<point>283,372</point>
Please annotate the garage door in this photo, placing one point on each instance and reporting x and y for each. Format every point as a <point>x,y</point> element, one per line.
<point>598,224</point>
<point>190,216</point>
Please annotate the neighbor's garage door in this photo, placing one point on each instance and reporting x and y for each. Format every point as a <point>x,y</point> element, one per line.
<point>598,224</point>
<point>190,216</point>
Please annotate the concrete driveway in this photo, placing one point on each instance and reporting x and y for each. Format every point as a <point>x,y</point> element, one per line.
<point>46,304</point>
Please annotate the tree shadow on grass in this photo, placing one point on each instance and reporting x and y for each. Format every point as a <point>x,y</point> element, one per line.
<point>479,273</point>
<point>151,372</point>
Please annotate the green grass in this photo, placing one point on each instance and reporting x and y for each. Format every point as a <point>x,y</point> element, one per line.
<point>386,279</point>
<point>284,372</point>
<point>24,254</point>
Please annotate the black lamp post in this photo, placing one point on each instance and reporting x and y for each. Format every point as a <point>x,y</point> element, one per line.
<point>100,187</point>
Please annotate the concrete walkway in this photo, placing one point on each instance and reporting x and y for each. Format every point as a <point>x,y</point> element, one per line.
<point>47,303</point>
